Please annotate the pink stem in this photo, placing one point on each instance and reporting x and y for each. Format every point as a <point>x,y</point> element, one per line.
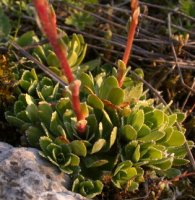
<point>131,34</point>
<point>47,19</point>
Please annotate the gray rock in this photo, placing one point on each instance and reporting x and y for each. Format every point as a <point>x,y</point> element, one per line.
<point>25,175</point>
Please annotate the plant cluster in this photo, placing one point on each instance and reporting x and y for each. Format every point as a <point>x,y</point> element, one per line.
<point>100,125</point>
<point>78,17</point>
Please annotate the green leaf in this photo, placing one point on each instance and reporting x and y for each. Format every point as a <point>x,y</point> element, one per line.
<point>29,99</point>
<point>134,93</point>
<point>172,119</point>
<point>52,59</point>
<point>92,123</point>
<point>55,121</point>
<point>98,145</point>
<point>138,120</point>
<point>90,163</point>
<point>107,123</point>
<point>27,39</point>
<point>172,172</point>
<point>46,91</point>
<point>78,148</point>
<point>80,19</point>
<point>156,118</point>
<point>113,137</point>
<point>180,161</point>
<point>180,117</point>
<point>33,135</point>
<point>18,107</point>
<point>87,188</point>
<point>32,88</point>
<point>62,105</point>
<point>45,112</point>
<point>91,65</point>
<point>128,133</point>
<point>75,160</point>
<point>87,80</point>
<point>123,165</point>
<point>177,139</point>
<point>153,154</point>
<point>133,186</point>
<point>23,116</point>
<point>95,102</point>
<point>44,142</point>
<point>69,130</point>
<point>116,96</point>
<point>130,149</point>
<point>144,131</point>
<point>154,135</point>
<point>39,53</point>
<point>14,120</point>
<point>72,58</point>
<point>163,164</point>
<point>32,112</point>
<point>5,26</point>
<point>124,175</point>
<point>136,154</point>
<point>168,132</point>
<point>106,87</point>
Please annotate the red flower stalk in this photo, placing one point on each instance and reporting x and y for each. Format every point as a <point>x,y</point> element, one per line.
<point>131,33</point>
<point>47,20</point>
<point>135,15</point>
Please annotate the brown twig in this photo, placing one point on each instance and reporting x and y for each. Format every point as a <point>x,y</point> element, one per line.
<point>175,57</point>
<point>188,96</point>
<point>45,69</point>
<point>190,155</point>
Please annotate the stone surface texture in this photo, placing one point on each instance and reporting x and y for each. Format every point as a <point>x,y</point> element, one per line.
<point>25,175</point>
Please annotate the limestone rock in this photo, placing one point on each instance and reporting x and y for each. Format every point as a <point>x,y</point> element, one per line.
<point>24,175</point>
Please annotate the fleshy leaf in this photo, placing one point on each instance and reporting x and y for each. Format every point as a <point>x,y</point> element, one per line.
<point>172,119</point>
<point>86,80</point>
<point>177,139</point>
<point>45,112</point>
<point>27,38</point>
<point>136,154</point>
<point>144,131</point>
<point>14,120</point>
<point>116,96</point>
<point>106,86</point>
<point>128,133</point>
<point>78,148</point>
<point>95,162</point>
<point>172,172</point>
<point>98,145</point>
<point>163,164</point>
<point>32,112</point>
<point>44,142</point>
<point>138,120</point>
<point>156,118</point>
<point>95,102</point>
<point>155,135</point>
<point>33,135</point>
<point>113,137</point>
<point>180,161</point>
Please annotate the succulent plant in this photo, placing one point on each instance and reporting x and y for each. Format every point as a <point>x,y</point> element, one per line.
<point>76,50</point>
<point>87,188</point>
<point>125,134</point>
